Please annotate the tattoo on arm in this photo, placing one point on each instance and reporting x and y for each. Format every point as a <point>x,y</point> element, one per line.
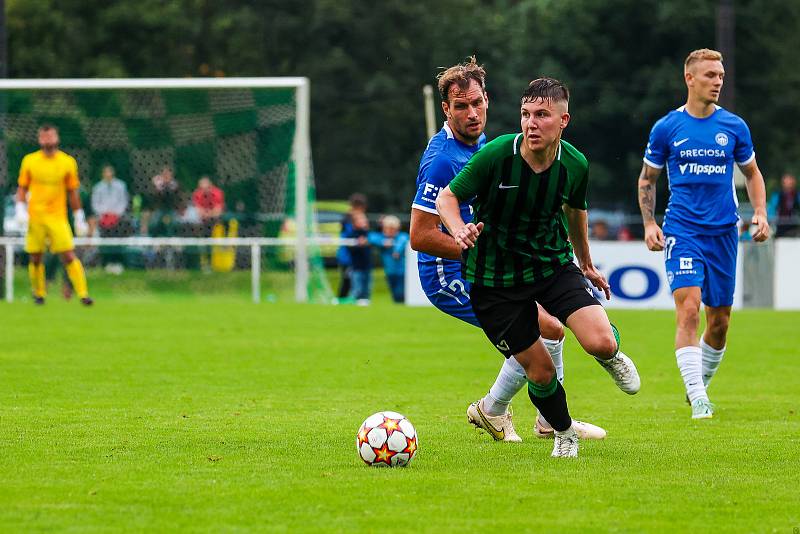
<point>647,201</point>
<point>647,193</point>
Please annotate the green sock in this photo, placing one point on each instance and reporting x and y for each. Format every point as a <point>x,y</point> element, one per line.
<point>542,391</point>
<point>551,401</point>
<point>616,336</point>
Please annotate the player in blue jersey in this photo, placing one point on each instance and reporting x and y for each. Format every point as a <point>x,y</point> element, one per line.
<point>464,103</point>
<point>698,144</point>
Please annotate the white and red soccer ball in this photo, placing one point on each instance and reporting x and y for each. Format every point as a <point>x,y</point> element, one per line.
<point>387,439</point>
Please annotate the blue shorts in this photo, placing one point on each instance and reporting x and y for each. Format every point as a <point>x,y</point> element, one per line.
<point>707,262</point>
<point>447,290</point>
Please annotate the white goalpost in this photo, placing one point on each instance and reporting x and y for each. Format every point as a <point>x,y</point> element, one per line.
<point>238,119</point>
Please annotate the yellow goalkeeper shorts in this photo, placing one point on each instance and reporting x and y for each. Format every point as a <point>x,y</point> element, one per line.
<point>52,231</point>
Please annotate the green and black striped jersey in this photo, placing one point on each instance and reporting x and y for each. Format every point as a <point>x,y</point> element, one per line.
<point>525,234</point>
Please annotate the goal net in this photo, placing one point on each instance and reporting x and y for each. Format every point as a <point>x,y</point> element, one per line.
<point>161,137</point>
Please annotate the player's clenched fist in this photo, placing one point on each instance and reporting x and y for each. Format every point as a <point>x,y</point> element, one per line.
<point>467,235</point>
<point>654,237</point>
<point>759,228</point>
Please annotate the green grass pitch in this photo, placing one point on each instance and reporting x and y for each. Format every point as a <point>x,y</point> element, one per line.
<point>215,414</point>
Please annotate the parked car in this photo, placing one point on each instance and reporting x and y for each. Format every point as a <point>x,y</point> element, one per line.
<point>329,216</point>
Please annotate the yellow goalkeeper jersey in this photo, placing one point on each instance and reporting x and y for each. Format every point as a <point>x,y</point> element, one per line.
<point>48,179</point>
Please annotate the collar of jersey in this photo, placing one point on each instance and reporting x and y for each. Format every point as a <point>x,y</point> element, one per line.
<point>517,151</point>
<point>682,109</point>
<point>450,135</point>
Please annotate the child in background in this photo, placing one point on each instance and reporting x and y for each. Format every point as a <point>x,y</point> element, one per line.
<point>392,245</point>
<point>358,204</point>
<point>360,260</point>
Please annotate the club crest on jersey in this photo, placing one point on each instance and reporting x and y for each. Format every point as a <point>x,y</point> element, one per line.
<point>721,139</point>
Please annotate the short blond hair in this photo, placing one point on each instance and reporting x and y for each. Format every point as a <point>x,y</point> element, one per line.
<point>701,54</point>
<point>390,221</point>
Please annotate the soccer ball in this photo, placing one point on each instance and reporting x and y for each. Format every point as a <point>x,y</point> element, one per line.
<point>387,439</point>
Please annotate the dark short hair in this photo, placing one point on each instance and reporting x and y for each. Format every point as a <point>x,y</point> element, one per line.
<point>358,200</point>
<point>461,75</point>
<point>47,126</point>
<point>547,89</point>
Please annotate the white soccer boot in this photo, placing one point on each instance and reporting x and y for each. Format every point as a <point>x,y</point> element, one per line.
<point>566,444</point>
<point>543,430</point>
<point>623,371</point>
<point>702,409</point>
<point>500,427</point>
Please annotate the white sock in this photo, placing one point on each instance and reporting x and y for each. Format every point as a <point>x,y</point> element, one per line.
<point>510,380</point>
<point>556,349</point>
<point>690,363</point>
<point>711,359</point>
<point>543,421</point>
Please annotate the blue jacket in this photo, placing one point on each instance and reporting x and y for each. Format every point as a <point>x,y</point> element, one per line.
<point>343,254</point>
<point>393,251</point>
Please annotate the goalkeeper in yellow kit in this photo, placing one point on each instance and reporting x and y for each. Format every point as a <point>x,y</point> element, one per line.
<point>47,178</point>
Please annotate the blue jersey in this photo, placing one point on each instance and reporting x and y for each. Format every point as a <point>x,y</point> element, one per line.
<point>444,157</point>
<point>441,278</point>
<point>699,155</point>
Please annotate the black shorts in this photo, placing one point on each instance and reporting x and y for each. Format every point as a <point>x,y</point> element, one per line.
<point>509,316</point>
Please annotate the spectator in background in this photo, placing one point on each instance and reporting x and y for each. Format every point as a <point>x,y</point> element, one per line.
<point>165,194</point>
<point>161,203</point>
<point>600,231</point>
<point>358,204</point>
<point>624,234</point>
<point>360,260</point>
<point>392,245</point>
<point>784,207</point>
<point>187,213</point>
<point>109,201</point>
<point>209,200</point>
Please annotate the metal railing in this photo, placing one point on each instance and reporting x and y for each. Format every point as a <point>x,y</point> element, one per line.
<point>255,244</point>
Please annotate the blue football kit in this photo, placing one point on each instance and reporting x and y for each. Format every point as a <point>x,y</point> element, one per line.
<point>700,223</point>
<point>441,278</point>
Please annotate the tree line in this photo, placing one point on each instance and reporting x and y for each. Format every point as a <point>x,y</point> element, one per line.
<point>367,63</point>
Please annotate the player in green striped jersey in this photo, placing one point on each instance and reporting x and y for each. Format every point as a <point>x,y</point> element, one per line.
<point>530,211</point>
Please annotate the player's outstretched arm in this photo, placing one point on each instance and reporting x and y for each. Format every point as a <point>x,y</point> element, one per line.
<point>757,193</point>
<point>653,236</point>
<point>425,236</point>
<point>465,235</point>
<point>577,221</point>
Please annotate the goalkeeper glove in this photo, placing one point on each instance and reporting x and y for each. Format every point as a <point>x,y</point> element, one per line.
<point>81,226</point>
<point>21,215</point>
